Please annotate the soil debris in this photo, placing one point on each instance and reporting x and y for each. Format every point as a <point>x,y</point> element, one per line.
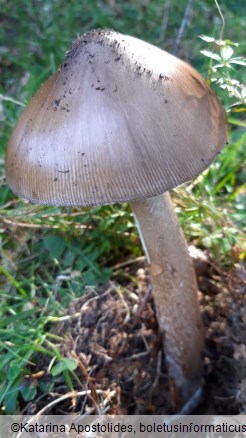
<point>116,341</point>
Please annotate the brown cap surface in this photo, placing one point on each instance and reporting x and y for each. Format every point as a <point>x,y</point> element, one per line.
<point>120,120</point>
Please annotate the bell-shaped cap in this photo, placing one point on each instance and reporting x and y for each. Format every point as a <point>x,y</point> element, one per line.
<point>120,120</point>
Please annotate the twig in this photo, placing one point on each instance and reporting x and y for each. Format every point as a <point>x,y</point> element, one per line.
<point>59,319</point>
<point>128,313</point>
<point>192,403</point>
<point>183,25</point>
<point>145,341</point>
<point>138,355</point>
<point>164,21</point>
<point>144,301</point>
<point>158,370</point>
<point>109,397</point>
<point>86,376</point>
<point>16,223</point>
<point>129,262</point>
<point>10,99</point>
<point>112,288</point>
<point>222,19</point>
<point>56,401</point>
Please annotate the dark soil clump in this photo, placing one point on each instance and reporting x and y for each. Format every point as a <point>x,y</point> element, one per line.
<point>113,335</point>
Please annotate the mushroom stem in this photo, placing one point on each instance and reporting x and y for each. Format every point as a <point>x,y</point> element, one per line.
<point>174,291</point>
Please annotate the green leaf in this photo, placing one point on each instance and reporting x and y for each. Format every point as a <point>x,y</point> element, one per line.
<point>28,392</point>
<point>5,358</point>
<point>23,316</point>
<point>209,39</point>
<point>231,43</point>
<point>236,122</point>
<point>238,61</point>
<point>69,257</point>
<point>90,278</point>
<point>226,53</point>
<point>225,245</point>
<point>46,386</point>
<point>13,281</point>
<point>218,66</point>
<point>211,55</point>
<point>64,364</point>
<point>14,370</point>
<point>206,38</point>
<point>105,275</point>
<point>10,400</point>
<point>55,245</point>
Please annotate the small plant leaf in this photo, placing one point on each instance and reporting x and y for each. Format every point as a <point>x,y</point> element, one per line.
<point>28,392</point>
<point>14,370</point>
<point>238,61</point>
<point>211,55</point>
<point>55,245</point>
<point>206,38</point>
<point>209,39</point>
<point>10,400</point>
<point>64,364</point>
<point>226,53</point>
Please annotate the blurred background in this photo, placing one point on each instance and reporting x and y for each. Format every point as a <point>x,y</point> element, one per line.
<point>49,256</point>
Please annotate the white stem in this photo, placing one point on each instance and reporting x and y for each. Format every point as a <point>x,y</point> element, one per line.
<point>174,290</point>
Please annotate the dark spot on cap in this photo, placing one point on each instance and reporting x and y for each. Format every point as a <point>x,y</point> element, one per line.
<point>56,103</point>
<point>165,78</point>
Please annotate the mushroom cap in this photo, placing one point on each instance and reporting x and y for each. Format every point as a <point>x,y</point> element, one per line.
<point>120,120</point>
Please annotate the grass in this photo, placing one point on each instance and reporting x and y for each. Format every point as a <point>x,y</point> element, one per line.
<point>50,255</point>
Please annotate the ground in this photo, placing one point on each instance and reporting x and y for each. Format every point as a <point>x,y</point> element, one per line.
<point>113,335</point>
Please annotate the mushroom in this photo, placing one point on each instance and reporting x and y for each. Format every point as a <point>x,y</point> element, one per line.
<point>122,120</point>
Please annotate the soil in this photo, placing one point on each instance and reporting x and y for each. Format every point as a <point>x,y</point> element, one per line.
<point>113,335</point>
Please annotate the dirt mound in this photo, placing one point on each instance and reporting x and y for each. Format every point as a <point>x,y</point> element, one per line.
<point>114,338</point>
